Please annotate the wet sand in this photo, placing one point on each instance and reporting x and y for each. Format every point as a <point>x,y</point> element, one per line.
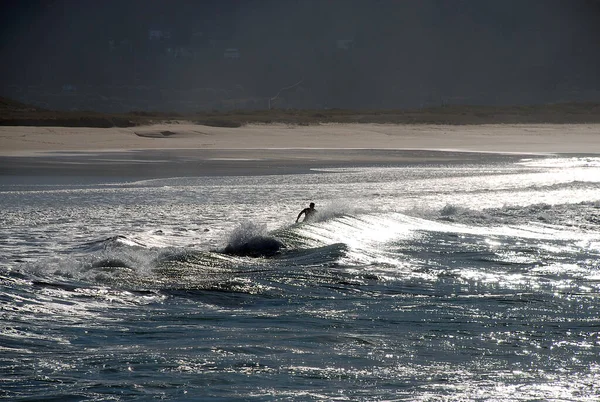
<point>194,150</point>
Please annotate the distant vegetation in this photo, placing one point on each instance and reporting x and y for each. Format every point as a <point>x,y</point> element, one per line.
<point>14,113</point>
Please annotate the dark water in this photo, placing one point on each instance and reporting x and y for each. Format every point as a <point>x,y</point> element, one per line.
<point>430,282</point>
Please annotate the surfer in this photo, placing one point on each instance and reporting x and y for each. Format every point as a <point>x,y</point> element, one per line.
<point>308,213</point>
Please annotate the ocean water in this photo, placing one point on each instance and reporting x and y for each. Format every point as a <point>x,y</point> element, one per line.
<point>420,282</point>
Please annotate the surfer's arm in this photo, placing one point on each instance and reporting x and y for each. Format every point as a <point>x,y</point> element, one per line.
<point>300,214</point>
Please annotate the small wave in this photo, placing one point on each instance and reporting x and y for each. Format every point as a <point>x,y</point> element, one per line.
<point>260,246</point>
<point>567,184</point>
<point>329,255</point>
<point>110,263</point>
<point>252,240</point>
<point>337,209</point>
<point>584,215</point>
<point>110,243</point>
<point>561,162</point>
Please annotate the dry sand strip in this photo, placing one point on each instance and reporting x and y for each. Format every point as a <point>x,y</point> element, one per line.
<point>527,138</point>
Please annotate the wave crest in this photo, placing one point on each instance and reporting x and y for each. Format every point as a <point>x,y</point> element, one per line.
<point>252,240</point>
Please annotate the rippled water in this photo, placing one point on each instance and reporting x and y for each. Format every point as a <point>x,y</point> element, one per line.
<point>422,282</point>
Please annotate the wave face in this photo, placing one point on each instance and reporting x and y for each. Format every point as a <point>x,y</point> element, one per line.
<point>421,282</point>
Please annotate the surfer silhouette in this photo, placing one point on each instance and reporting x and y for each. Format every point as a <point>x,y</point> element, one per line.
<point>309,213</point>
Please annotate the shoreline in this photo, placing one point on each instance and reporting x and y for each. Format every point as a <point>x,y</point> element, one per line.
<point>154,164</point>
<point>185,150</point>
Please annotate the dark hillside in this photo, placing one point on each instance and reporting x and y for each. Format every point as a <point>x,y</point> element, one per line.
<point>14,113</point>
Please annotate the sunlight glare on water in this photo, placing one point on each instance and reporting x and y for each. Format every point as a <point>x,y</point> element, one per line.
<point>457,282</point>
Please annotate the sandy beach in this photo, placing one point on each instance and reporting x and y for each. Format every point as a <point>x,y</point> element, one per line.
<point>542,138</point>
<point>187,149</point>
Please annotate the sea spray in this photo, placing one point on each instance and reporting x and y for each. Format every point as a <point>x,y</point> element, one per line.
<point>336,209</point>
<point>252,240</point>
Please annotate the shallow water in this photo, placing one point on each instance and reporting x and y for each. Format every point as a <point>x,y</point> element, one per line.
<point>470,281</point>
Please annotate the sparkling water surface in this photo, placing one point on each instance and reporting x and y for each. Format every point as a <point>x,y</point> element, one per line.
<point>421,282</point>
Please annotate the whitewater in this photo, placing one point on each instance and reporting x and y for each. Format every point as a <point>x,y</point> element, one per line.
<point>475,280</point>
